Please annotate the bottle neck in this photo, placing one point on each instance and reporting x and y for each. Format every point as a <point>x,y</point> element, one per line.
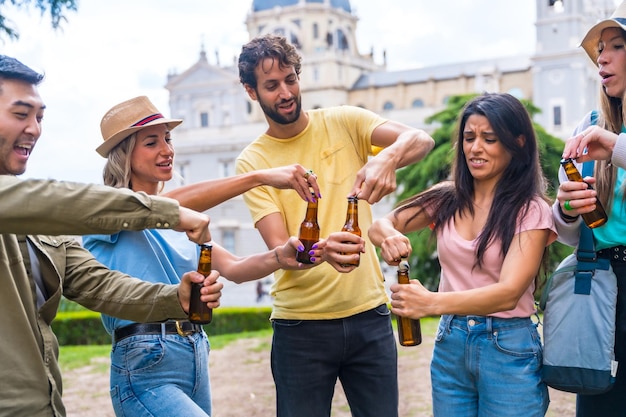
<point>311,212</point>
<point>352,215</point>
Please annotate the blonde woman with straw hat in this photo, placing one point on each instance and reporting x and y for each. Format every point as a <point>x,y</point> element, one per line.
<point>605,142</point>
<point>161,369</point>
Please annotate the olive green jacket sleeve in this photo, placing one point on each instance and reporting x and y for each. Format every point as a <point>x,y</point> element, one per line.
<point>32,383</point>
<point>67,208</point>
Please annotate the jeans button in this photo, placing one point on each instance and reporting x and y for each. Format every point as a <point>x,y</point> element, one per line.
<point>471,322</point>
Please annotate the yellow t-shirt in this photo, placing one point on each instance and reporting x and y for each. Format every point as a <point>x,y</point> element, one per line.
<point>335,144</point>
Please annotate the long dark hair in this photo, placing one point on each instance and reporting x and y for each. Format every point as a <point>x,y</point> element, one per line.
<point>521,181</point>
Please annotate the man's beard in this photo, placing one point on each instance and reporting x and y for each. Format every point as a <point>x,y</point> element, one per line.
<point>280,119</point>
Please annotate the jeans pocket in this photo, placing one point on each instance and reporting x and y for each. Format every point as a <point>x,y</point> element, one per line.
<point>142,354</point>
<point>285,323</point>
<point>520,341</point>
<point>383,310</point>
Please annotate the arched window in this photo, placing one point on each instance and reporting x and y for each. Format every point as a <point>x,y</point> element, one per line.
<point>388,105</point>
<point>417,103</point>
<point>342,40</point>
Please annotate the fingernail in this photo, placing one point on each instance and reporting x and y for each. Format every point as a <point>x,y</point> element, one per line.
<point>312,259</point>
<point>300,248</point>
<point>314,246</point>
<point>311,253</point>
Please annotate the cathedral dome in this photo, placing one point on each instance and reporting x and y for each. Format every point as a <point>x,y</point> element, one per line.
<point>260,5</point>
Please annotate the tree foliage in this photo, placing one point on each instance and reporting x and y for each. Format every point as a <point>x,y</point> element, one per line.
<point>56,9</point>
<point>435,167</point>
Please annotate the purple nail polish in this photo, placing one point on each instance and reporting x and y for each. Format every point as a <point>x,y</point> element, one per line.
<point>300,248</point>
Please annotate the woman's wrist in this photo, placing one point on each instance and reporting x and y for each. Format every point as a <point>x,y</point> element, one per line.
<point>566,218</point>
<point>276,255</point>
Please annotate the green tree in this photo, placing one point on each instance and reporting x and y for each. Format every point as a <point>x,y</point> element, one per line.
<point>435,167</point>
<point>56,8</point>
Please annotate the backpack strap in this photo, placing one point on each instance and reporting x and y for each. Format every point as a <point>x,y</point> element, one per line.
<point>588,261</point>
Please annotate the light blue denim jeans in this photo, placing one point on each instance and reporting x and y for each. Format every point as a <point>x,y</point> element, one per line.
<point>161,375</point>
<point>488,367</point>
<point>308,356</point>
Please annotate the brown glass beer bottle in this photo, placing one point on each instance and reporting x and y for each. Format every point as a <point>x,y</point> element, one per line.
<point>409,330</point>
<point>309,231</point>
<point>595,218</point>
<point>199,312</point>
<point>352,224</point>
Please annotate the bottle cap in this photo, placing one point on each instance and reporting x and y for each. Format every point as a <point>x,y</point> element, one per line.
<point>403,265</point>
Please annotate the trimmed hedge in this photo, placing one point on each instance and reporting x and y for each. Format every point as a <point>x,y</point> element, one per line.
<point>85,327</point>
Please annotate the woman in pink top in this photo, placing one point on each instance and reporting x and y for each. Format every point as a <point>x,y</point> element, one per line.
<point>493,223</point>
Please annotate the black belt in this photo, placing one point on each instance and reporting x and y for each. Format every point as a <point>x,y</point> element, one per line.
<point>182,328</point>
<point>615,254</point>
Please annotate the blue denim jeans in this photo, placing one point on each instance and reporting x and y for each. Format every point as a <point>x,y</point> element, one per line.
<point>308,356</point>
<point>488,367</point>
<point>161,375</point>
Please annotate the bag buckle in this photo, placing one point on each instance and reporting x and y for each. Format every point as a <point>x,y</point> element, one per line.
<point>181,331</point>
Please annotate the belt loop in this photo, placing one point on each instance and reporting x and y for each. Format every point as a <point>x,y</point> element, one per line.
<point>163,330</point>
<point>489,324</point>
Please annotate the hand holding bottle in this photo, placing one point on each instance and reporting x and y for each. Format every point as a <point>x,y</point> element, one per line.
<point>199,311</point>
<point>210,295</point>
<point>409,330</point>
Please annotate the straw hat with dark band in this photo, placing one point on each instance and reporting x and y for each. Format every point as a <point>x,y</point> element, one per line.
<point>592,38</point>
<point>127,118</point>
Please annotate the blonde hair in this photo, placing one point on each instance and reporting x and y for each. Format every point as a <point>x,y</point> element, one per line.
<point>611,117</point>
<point>117,170</point>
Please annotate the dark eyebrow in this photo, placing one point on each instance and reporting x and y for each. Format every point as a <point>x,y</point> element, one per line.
<point>27,104</point>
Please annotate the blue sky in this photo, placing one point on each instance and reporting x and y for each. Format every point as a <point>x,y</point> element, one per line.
<point>113,50</point>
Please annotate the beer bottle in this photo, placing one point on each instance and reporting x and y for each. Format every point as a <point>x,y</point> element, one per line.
<point>199,312</point>
<point>352,224</point>
<point>309,231</point>
<point>409,330</point>
<point>595,218</point>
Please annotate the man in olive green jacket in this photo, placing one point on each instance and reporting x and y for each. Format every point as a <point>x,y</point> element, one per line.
<point>35,270</point>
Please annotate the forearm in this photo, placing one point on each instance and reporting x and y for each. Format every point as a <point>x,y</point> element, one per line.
<point>568,231</point>
<point>68,208</point>
<point>380,230</point>
<point>250,268</point>
<point>619,151</point>
<point>478,301</point>
<point>207,194</point>
<point>411,146</point>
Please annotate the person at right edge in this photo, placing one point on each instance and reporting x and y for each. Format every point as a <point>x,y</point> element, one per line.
<point>330,321</point>
<point>605,142</point>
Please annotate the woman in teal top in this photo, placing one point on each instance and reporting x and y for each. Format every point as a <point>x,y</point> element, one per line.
<point>603,140</point>
<point>161,369</point>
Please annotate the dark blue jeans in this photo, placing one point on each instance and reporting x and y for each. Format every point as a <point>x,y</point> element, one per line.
<point>612,403</point>
<point>308,356</point>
